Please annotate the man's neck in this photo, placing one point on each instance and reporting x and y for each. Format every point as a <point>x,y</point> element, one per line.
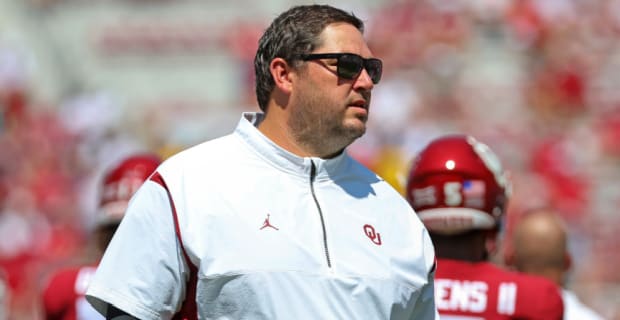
<point>276,131</point>
<point>464,247</point>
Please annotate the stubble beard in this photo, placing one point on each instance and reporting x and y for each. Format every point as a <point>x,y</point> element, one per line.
<point>320,130</point>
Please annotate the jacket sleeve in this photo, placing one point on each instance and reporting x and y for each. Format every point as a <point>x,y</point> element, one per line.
<point>143,271</point>
<point>425,307</point>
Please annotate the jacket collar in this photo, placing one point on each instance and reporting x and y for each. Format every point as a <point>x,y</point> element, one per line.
<point>280,158</point>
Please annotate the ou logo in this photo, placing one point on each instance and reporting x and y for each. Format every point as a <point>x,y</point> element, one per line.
<point>374,236</point>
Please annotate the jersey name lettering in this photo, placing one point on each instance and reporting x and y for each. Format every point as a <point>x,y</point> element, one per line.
<point>466,296</point>
<point>507,298</point>
<point>472,296</point>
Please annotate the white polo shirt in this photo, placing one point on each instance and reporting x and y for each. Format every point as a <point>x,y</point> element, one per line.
<point>264,234</point>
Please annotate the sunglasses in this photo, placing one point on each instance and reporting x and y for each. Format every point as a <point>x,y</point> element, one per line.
<point>350,65</point>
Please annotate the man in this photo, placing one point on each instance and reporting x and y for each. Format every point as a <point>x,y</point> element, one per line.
<point>539,247</point>
<point>459,190</point>
<point>63,296</point>
<point>276,221</point>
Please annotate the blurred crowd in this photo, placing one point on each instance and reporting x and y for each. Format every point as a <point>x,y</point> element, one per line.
<point>537,80</point>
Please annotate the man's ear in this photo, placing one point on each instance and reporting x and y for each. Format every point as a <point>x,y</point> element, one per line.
<point>281,73</point>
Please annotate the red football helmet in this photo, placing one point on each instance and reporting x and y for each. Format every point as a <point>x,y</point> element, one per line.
<point>120,183</point>
<point>457,184</point>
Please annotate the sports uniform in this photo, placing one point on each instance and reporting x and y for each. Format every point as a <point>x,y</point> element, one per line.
<point>459,190</point>
<point>485,291</point>
<point>63,295</point>
<point>278,237</point>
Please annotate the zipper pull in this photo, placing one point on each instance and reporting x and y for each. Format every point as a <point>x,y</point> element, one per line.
<point>312,171</point>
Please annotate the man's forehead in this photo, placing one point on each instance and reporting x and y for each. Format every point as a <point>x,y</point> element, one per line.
<point>343,37</point>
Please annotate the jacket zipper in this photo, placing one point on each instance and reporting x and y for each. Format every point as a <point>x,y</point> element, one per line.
<point>312,176</point>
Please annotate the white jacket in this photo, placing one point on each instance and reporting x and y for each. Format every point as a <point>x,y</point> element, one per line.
<point>269,235</point>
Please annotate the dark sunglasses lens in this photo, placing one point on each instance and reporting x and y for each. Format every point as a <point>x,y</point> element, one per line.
<point>349,66</point>
<point>374,67</point>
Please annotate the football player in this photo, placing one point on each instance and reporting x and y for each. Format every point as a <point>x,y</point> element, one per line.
<point>459,190</point>
<point>63,296</point>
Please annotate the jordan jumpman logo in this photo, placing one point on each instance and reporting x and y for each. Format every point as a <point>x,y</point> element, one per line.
<point>267,224</point>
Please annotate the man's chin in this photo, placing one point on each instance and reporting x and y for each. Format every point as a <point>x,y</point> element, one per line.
<point>356,130</point>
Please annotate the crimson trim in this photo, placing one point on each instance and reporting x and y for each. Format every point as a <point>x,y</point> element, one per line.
<point>189,309</point>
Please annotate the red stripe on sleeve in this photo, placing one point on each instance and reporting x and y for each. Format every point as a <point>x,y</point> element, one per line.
<point>189,309</point>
